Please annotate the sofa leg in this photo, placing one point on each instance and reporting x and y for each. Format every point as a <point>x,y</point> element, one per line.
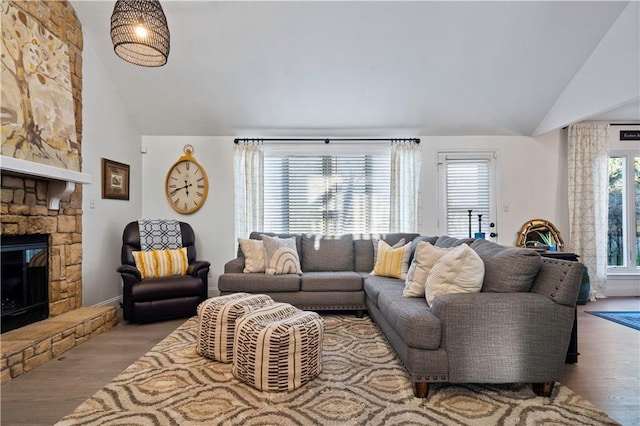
<point>420,389</point>
<point>359,313</point>
<point>543,389</point>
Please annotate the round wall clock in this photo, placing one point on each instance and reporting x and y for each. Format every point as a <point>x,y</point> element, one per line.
<point>187,184</point>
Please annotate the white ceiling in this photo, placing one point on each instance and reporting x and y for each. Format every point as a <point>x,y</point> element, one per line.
<point>357,68</point>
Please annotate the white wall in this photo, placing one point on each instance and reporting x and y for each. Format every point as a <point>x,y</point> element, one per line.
<point>108,133</point>
<point>532,176</point>
<point>213,223</point>
<point>607,80</point>
<point>531,180</point>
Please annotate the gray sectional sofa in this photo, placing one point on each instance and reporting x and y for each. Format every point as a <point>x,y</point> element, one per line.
<point>515,330</point>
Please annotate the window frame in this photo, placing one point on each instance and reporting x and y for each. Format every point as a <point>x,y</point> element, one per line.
<point>629,213</point>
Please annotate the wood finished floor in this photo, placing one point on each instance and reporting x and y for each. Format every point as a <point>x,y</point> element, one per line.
<point>607,372</point>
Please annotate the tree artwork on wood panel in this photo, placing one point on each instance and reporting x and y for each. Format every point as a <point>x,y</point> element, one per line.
<point>38,116</point>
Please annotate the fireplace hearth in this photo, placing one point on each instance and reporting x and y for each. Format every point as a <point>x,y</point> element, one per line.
<point>25,280</point>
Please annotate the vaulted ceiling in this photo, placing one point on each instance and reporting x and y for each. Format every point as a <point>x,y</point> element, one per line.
<point>359,68</point>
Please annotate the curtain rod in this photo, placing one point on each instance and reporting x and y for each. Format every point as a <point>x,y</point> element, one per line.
<point>614,124</point>
<point>325,140</point>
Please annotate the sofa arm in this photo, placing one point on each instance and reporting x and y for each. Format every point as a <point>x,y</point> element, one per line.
<point>235,266</point>
<point>504,337</point>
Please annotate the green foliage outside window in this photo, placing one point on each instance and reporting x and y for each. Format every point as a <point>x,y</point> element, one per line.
<point>617,210</point>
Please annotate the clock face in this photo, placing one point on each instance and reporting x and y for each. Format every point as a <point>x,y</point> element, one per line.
<point>186,186</point>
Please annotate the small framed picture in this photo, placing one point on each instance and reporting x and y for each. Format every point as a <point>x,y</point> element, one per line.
<point>115,180</point>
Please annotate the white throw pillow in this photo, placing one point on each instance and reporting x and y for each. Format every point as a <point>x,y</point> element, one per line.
<point>461,270</point>
<point>281,256</point>
<point>253,251</point>
<point>424,258</point>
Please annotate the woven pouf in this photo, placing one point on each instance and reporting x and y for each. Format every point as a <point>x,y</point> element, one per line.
<point>278,347</point>
<point>217,321</point>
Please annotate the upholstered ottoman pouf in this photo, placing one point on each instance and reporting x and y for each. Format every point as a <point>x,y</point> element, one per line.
<point>217,321</point>
<point>278,347</point>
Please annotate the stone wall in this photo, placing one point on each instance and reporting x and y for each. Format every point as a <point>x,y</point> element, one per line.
<point>24,206</point>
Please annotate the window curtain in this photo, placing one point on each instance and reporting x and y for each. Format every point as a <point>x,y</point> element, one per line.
<point>588,160</point>
<point>248,164</point>
<point>406,160</point>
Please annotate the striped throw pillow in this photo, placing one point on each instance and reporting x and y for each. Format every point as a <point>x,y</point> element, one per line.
<point>161,263</point>
<point>392,262</point>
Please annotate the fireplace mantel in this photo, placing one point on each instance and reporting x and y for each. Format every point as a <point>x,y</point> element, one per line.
<point>62,181</point>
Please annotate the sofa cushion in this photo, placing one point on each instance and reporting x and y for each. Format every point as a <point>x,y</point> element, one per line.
<point>507,269</point>
<point>424,258</point>
<point>258,283</point>
<point>253,251</point>
<point>363,255</point>
<point>375,286</point>
<point>392,262</point>
<point>459,271</point>
<point>258,236</point>
<point>416,240</point>
<point>331,281</point>
<point>327,253</point>
<point>411,318</point>
<point>281,256</point>
<point>446,241</point>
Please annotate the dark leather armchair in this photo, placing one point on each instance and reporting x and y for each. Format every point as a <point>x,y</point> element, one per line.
<point>153,299</point>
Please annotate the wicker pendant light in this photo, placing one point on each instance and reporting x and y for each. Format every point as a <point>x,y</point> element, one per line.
<point>139,32</point>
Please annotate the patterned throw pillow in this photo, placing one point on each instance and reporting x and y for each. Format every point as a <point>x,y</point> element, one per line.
<point>161,263</point>
<point>253,251</point>
<point>392,262</point>
<point>459,271</point>
<point>424,258</point>
<point>376,243</point>
<point>281,256</point>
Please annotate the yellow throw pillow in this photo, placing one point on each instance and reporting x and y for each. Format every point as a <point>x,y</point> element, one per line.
<point>392,262</point>
<point>161,263</point>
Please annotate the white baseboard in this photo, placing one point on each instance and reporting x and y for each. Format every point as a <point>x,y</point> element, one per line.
<point>622,286</point>
<point>115,301</point>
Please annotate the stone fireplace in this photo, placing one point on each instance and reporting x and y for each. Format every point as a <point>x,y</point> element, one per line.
<point>25,212</point>
<point>41,199</point>
<point>26,208</point>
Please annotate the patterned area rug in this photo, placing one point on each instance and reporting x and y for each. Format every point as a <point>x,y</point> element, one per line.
<point>362,383</point>
<point>628,318</point>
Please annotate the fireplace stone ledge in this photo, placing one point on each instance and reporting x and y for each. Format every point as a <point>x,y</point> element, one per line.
<point>28,347</point>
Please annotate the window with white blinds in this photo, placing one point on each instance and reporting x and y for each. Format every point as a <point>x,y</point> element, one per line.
<point>466,183</point>
<point>340,193</point>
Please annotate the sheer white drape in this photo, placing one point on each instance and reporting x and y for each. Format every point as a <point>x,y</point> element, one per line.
<point>248,160</point>
<point>406,160</point>
<point>588,177</point>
